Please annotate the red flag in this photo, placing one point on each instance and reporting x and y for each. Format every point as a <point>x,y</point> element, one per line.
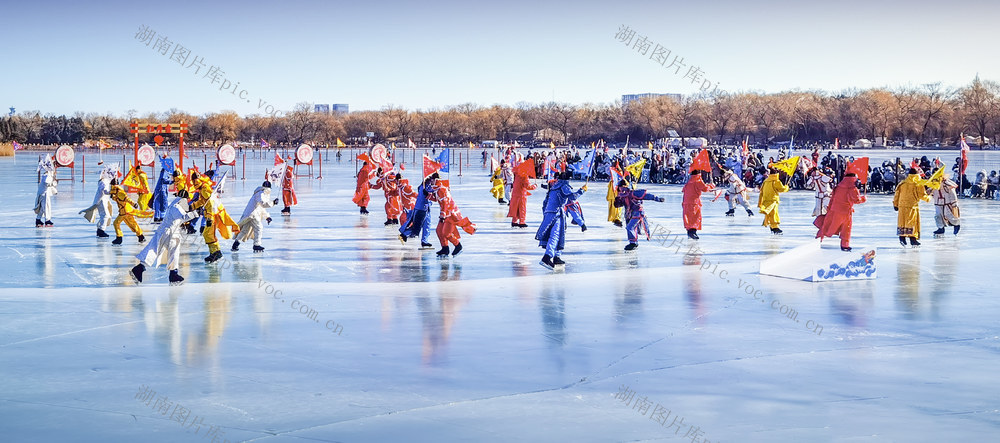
<point>430,166</point>
<point>860,167</point>
<point>277,160</point>
<point>700,162</point>
<point>746,151</point>
<point>526,168</point>
<point>364,157</point>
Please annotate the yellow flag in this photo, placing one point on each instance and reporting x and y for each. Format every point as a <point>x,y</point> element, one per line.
<point>934,182</point>
<point>650,144</point>
<point>392,146</point>
<point>635,169</point>
<point>787,165</point>
<point>472,146</point>
<point>552,145</point>
<point>340,144</point>
<point>591,145</point>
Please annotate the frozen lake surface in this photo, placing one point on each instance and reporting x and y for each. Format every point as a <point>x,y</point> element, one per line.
<point>397,345</point>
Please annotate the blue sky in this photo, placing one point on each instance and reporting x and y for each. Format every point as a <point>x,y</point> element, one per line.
<point>63,56</point>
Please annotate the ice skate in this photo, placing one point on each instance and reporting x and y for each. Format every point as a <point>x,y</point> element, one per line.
<point>558,261</point>
<point>213,257</point>
<point>692,234</point>
<point>402,239</point>
<point>175,278</point>
<point>458,250</point>
<point>913,242</point>
<point>776,231</point>
<point>236,246</point>
<point>749,213</point>
<point>957,227</point>
<point>117,241</point>
<point>258,248</point>
<point>618,223</point>
<point>940,231</point>
<point>364,211</point>
<point>902,241</point>
<point>288,211</point>
<point>136,272</point>
<point>845,248</point>
<point>48,223</point>
<point>142,238</point>
<point>38,223</point>
<point>631,247</point>
<point>443,252</point>
<point>547,262</point>
<point>102,234</point>
<point>731,213</point>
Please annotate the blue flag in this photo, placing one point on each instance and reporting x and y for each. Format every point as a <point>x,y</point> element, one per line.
<point>583,167</point>
<point>167,164</point>
<point>444,158</point>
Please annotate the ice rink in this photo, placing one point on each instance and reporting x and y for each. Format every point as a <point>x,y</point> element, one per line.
<point>339,333</point>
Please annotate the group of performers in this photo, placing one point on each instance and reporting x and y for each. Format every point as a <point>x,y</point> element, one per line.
<point>182,201</point>
<point>411,209</point>
<point>177,204</point>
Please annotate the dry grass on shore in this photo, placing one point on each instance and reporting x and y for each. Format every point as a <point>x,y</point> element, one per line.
<point>6,150</point>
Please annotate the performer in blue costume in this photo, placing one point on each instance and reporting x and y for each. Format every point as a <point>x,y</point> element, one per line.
<point>551,234</point>
<point>160,192</point>
<point>635,216</point>
<point>417,219</point>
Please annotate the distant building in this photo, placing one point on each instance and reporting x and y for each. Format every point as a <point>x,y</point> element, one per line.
<point>340,108</point>
<point>321,108</point>
<point>627,98</point>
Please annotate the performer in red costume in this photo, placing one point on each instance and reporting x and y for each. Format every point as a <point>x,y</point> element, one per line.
<point>365,175</point>
<point>449,222</point>
<point>692,203</point>
<point>388,183</point>
<point>519,194</point>
<point>288,189</point>
<point>840,213</point>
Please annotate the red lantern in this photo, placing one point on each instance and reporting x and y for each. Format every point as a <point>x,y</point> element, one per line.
<point>158,139</point>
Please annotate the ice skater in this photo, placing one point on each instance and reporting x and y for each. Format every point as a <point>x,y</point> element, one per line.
<point>496,180</point>
<point>736,193</point>
<point>216,217</point>
<point>769,199</point>
<point>46,189</point>
<point>365,175</point>
<point>551,233</point>
<point>691,203</point>
<point>635,216</point>
<point>450,219</point>
<point>161,190</point>
<point>839,216</point>
<point>288,196</point>
<point>615,213</point>
<point>407,197</point>
<point>946,211</point>
<point>251,224</point>
<point>102,209</point>
<point>389,185</point>
<point>822,183</point>
<point>507,175</point>
<point>906,202</point>
<point>126,213</point>
<point>418,220</point>
<point>164,247</point>
<point>519,194</point>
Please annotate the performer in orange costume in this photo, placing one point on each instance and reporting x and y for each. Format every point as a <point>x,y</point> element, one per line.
<point>692,203</point>
<point>365,175</point>
<point>288,190</point>
<point>519,195</point>
<point>389,185</point>
<point>840,213</point>
<point>449,222</point>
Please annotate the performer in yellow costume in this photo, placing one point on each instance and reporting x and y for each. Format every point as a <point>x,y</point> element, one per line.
<point>126,213</point>
<point>909,194</point>
<point>768,200</point>
<point>216,217</point>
